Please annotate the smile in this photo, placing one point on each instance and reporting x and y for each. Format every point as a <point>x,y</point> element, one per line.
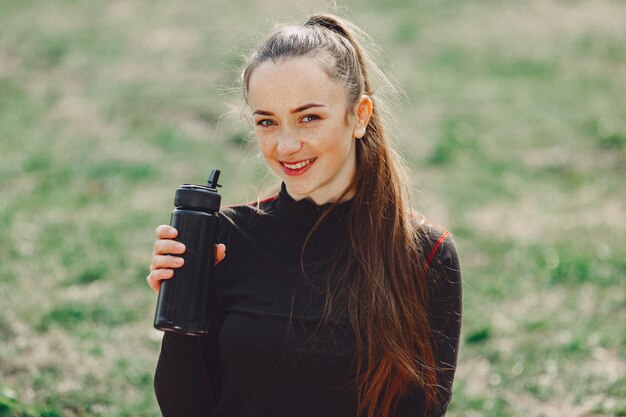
<point>297,168</point>
<point>298,165</point>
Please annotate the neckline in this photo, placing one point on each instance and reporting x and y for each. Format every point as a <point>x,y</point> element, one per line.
<point>307,203</point>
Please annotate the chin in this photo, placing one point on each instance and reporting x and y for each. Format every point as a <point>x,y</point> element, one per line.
<point>297,188</point>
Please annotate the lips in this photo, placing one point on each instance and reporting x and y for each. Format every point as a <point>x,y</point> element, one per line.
<point>297,167</point>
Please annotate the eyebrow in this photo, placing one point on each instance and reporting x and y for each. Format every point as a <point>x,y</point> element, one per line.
<point>292,111</point>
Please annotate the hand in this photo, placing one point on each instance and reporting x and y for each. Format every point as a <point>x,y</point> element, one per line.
<point>163,261</point>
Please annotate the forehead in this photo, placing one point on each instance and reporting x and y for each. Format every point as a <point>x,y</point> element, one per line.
<point>292,82</point>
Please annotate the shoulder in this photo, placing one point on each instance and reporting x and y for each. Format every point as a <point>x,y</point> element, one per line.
<point>442,271</point>
<point>441,256</point>
<point>244,216</point>
<point>437,243</point>
<point>242,212</point>
<point>440,249</point>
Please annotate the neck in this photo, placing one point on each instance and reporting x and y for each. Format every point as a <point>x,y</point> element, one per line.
<point>339,198</point>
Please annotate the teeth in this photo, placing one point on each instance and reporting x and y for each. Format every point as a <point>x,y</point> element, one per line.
<point>299,164</point>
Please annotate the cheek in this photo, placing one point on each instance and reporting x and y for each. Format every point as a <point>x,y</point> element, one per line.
<point>265,145</point>
<point>343,141</point>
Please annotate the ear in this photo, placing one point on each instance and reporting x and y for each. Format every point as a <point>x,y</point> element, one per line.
<point>363,114</point>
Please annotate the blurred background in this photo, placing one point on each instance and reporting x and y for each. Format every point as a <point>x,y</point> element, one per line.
<point>514,126</point>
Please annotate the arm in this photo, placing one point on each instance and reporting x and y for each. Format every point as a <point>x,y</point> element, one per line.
<point>445,315</point>
<point>181,381</point>
<point>444,276</point>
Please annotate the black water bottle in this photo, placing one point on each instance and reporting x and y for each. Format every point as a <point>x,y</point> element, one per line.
<point>185,300</point>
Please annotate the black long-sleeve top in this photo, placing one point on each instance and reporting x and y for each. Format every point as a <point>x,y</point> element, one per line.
<point>266,357</point>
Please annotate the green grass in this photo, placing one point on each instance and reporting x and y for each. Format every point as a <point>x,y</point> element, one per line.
<point>514,127</point>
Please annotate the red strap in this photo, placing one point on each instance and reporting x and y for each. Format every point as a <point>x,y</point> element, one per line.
<point>267,200</point>
<point>432,253</point>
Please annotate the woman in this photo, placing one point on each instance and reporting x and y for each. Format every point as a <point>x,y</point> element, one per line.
<point>335,299</point>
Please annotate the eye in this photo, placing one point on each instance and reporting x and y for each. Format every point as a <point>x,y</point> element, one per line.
<point>265,122</point>
<point>309,118</point>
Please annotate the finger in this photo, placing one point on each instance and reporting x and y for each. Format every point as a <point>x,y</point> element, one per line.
<point>220,252</point>
<point>165,231</point>
<point>154,285</point>
<point>168,246</point>
<point>166,261</point>
<point>156,278</point>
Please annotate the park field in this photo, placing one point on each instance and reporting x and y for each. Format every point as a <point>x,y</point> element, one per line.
<point>513,124</point>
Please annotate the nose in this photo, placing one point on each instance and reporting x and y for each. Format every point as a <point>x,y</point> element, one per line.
<point>288,144</point>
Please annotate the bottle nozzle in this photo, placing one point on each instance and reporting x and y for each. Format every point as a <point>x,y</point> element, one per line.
<point>213,178</point>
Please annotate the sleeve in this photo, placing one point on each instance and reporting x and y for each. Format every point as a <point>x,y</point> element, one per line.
<point>445,314</point>
<point>443,271</point>
<point>181,381</point>
<point>187,377</point>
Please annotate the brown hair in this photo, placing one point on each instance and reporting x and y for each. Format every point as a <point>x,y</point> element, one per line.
<point>380,280</point>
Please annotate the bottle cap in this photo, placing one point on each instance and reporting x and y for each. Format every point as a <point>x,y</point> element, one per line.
<point>201,197</point>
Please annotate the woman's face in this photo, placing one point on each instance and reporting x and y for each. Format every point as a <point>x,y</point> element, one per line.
<point>300,125</point>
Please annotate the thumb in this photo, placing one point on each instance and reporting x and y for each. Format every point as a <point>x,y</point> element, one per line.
<point>220,252</point>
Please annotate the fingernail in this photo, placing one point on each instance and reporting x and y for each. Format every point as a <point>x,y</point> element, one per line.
<point>179,246</point>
